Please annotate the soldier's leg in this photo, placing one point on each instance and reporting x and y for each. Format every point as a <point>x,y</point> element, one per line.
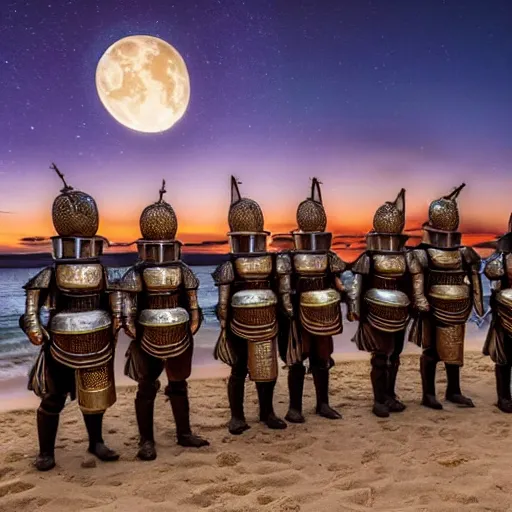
<point>266,400</point>
<point>47,426</point>
<point>178,369</point>
<point>503,374</point>
<point>453,392</point>
<point>394,404</point>
<point>97,446</point>
<point>147,369</point>
<point>428,363</point>
<point>296,374</point>
<point>236,389</point>
<point>320,351</point>
<point>379,377</point>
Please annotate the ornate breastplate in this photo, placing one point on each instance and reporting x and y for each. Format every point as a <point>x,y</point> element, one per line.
<point>254,268</point>
<point>388,271</point>
<point>161,280</point>
<point>310,265</point>
<point>444,259</point>
<point>79,278</point>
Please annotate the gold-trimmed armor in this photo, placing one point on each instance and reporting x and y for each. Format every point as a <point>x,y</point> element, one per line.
<point>453,288</point>
<point>311,292</point>
<point>161,314</point>
<point>247,311</point>
<point>388,285</point>
<point>78,342</point>
<point>498,343</point>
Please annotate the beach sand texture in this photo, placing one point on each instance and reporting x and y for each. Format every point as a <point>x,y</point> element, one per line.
<point>420,460</point>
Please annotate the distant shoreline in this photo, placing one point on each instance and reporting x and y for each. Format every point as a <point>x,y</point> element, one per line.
<point>122,259</point>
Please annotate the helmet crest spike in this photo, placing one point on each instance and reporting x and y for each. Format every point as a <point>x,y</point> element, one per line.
<point>316,193</point>
<point>399,202</point>
<point>66,188</point>
<point>162,191</point>
<point>235,191</point>
<point>455,193</point>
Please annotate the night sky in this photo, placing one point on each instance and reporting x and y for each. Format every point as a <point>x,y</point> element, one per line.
<point>370,96</point>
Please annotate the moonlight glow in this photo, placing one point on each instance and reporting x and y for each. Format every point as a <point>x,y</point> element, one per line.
<point>143,83</point>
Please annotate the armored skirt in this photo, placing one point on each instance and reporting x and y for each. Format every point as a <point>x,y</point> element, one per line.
<point>498,344</point>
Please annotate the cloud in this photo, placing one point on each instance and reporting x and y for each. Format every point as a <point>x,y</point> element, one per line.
<point>207,243</point>
<point>31,241</point>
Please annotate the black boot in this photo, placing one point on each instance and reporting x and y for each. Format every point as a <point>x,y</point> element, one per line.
<point>379,377</point>
<point>144,410</point>
<point>393,403</point>
<point>296,375</point>
<point>94,425</point>
<point>47,425</point>
<point>503,387</point>
<point>178,394</point>
<point>321,380</point>
<point>453,392</point>
<point>236,388</point>
<point>428,382</point>
<point>266,398</point>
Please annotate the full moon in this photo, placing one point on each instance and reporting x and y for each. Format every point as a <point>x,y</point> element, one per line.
<point>143,83</point>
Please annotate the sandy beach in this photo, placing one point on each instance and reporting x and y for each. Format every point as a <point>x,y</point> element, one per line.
<point>420,460</point>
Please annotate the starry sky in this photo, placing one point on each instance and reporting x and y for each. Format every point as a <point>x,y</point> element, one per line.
<point>370,96</point>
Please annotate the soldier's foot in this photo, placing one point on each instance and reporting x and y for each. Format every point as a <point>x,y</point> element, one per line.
<point>103,452</point>
<point>328,412</point>
<point>192,441</point>
<point>380,410</point>
<point>147,450</point>
<point>395,405</point>
<point>273,422</point>
<point>294,416</point>
<point>460,399</point>
<point>504,405</point>
<point>44,462</point>
<point>237,426</point>
<point>431,402</point>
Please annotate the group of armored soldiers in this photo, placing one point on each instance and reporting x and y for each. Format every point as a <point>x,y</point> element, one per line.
<point>285,304</point>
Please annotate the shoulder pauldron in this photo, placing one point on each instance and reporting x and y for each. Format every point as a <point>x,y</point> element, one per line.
<point>470,256</point>
<point>224,274</point>
<point>413,262</point>
<point>336,264</point>
<point>283,263</point>
<point>190,280</point>
<point>41,280</point>
<point>131,281</point>
<point>361,265</point>
<point>494,268</point>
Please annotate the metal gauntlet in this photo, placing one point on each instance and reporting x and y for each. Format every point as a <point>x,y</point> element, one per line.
<point>116,307</point>
<point>418,290</point>
<point>285,293</point>
<point>32,326</point>
<point>222,306</point>
<point>128,313</point>
<point>354,296</point>
<point>195,312</point>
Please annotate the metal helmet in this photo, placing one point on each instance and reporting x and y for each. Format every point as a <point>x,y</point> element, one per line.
<point>443,213</point>
<point>311,215</point>
<point>244,215</point>
<point>390,217</point>
<point>158,221</point>
<point>74,213</point>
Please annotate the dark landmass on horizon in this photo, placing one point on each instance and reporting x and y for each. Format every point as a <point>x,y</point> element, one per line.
<point>122,259</point>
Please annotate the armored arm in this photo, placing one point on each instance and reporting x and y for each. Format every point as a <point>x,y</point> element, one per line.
<point>337,267</point>
<point>115,295</point>
<point>473,263</point>
<point>131,286</point>
<point>360,268</point>
<point>191,284</point>
<point>32,327</point>
<point>416,260</point>
<point>223,278</point>
<point>284,272</point>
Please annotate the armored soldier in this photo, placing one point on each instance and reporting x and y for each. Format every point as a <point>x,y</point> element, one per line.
<point>247,311</point>
<point>390,281</point>
<point>161,314</point>
<point>453,286</point>
<point>311,290</point>
<point>498,343</point>
<point>77,345</point>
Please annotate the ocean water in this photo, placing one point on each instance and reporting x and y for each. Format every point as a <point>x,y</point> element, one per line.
<point>16,352</point>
